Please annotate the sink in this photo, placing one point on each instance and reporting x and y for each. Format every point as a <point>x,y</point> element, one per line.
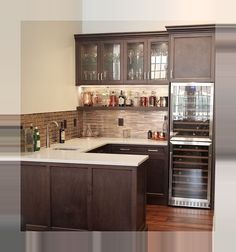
<point>66,148</point>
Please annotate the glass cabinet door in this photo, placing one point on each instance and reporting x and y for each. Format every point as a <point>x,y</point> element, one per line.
<point>158,60</point>
<point>135,61</point>
<point>111,62</point>
<point>89,62</point>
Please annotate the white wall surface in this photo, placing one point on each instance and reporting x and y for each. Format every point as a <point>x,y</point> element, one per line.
<point>11,14</point>
<point>48,66</point>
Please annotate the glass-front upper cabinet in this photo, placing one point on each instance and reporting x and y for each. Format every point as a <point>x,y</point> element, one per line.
<point>146,61</point>
<point>99,62</point>
<point>134,61</point>
<point>158,60</point>
<point>89,63</point>
<point>111,58</point>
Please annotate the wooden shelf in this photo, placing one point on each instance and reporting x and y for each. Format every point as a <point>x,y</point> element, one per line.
<point>90,108</point>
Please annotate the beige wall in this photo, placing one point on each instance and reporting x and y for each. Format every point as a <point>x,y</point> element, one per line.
<point>48,66</point>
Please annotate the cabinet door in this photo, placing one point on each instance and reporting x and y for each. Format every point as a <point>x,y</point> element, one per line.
<point>192,57</point>
<point>157,61</point>
<point>112,62</point>
<point>157,180</point>
<point>135,61</point>
<point>69,193</point>
<point>87,63</point>
<point>35,197</point>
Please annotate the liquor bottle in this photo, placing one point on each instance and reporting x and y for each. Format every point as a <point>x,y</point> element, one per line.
<point>36,139</point>
<point>29,132</point>
<point>121,99</point>
<point>62,134</point>
<point>165,127</point>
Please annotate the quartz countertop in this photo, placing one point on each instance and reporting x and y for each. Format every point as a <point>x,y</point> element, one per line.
<point>75,152</point>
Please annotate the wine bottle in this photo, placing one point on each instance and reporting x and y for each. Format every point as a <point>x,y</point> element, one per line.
<point>62,134</point>
<point>36,139</point>
<point>121,99</point>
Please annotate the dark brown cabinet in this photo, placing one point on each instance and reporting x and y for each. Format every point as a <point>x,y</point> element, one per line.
<point>146,61</point>
<point>191,54</point>
<point>122,58</point>
<point>99,62</point>
<point>75,197</point>
<point>35,205</point>
<point>69,193</point>
<point>157,168</point>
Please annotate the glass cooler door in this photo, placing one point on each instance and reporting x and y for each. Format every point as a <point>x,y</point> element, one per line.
<point>191,111</point>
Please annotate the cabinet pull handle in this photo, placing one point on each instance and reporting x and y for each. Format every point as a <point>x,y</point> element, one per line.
<point>148,75</point>
<point>124,149</point>
<point>144,75</point>
<point>98,76</point>
<point>153,150</point>
<point>101,76</point>
<point>171,74</point>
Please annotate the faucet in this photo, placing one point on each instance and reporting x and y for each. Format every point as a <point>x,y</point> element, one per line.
<point>48,133</point>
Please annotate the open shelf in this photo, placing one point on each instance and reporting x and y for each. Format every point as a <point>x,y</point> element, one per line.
<point>90,108</point>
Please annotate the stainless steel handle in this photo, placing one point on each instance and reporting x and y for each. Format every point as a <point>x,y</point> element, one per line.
<point>98,76</point>
<point>170,175</point>
<point>148,75</point>
<point>153,150</point>
<point>124,149</point>
<point>101,76</point>
<point>171,73</point>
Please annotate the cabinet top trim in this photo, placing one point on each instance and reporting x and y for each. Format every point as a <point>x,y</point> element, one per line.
<point>191,28</point>
<point>120,34</point>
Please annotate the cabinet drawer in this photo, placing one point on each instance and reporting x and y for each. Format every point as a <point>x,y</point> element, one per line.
<point>128,149</point>
<point>155,150</point>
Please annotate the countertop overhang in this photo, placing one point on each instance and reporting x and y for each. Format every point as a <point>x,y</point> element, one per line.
<point>79,156</point>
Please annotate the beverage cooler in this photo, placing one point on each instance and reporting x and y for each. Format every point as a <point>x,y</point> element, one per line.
<point>191,146</point>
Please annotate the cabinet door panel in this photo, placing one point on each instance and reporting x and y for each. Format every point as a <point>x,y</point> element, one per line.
<point>111,60</point>
<point>35,196</point>
<point>69,190</point>
<point>110,209</point>
<point>135,61</point>
<point>192,57</point>
<point>87,63</point>
<point>157,180</point>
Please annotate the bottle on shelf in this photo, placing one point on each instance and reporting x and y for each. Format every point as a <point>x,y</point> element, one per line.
<point>121,100</point>
<point>113,99</point>
<point>143,100</point>
<point>36,139</point>
<point>62,134</point>
<point>136,101</point>
<point>149,134</point>
<point>165,128</point>
<point>152,99</point>
<point>129,101</point>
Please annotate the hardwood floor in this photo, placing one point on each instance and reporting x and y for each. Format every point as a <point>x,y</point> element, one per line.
<point>166,218</point>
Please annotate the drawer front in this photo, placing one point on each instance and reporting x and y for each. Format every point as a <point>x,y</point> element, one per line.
<point>139,149</point>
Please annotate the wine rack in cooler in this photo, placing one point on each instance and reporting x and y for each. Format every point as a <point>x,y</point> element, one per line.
<point>190,174</point>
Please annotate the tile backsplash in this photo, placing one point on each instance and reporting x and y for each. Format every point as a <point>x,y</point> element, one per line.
<point>105,122</point>
<point>42,119</point>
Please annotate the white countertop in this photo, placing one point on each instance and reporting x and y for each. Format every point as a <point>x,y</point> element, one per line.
<point>79,156</point>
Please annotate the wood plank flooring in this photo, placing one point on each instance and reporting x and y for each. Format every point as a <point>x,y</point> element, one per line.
<point>167,218</point>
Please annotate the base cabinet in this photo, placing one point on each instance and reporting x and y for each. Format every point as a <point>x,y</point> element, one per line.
<point>157,168</point>
<point>70,197</point>
<point>35,201</point>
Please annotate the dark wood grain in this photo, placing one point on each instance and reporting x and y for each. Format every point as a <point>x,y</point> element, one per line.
<point>69,192</point>
<point>35,195</point>
<point>164,218</point>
